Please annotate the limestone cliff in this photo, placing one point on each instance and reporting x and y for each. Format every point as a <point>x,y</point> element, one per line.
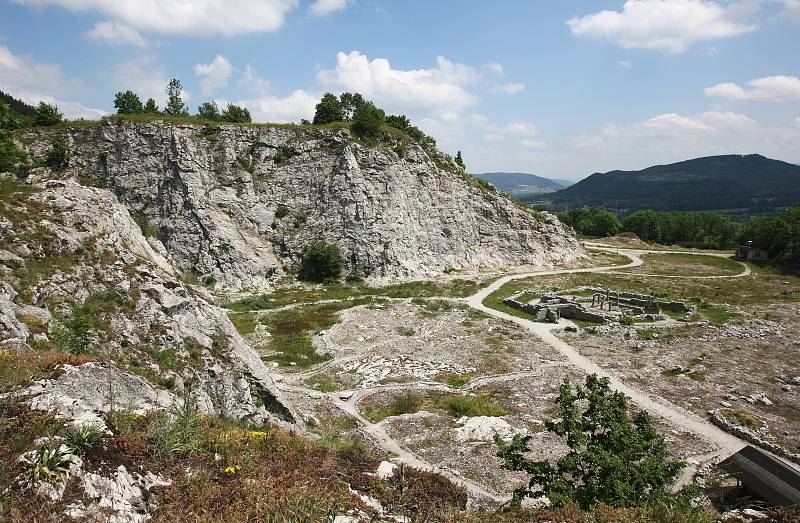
<point>238,205</point>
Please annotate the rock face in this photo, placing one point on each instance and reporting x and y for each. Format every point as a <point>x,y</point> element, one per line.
<point>118,298</point>
<point>239,205</point>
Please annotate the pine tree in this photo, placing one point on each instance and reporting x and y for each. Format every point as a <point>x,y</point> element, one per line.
<point>150,106</point>
<point>47,114</point>
<point>460,161</point>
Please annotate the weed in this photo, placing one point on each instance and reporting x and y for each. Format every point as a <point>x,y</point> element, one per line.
<point>51,461</point>
<point>82,438</point>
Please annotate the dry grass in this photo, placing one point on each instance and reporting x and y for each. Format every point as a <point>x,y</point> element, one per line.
<point>20,368</point>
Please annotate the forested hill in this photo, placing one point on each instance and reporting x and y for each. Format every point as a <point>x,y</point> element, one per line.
<point>18,106</point>
<point>713,182</point>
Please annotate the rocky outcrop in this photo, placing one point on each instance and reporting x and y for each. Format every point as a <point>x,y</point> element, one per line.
<point>118,298</point>
<point>238,205</point>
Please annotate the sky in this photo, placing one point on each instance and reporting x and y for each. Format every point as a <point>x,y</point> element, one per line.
<point>558,89</point>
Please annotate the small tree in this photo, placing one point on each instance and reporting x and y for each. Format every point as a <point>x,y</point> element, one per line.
<point>460,161</point>
<point>175,105</point>
<point>350,102</point>
<point>47,114</point>
<point>236,114</point>
<point>322,262</point>
<point>209,111</point>
<point>367,120</point>
<point>57,155</point>
<point>128,103</point>
<point>150,106</point>
<point>11,156</point>
<point>612,458</point>
<point>328,110</point>
<point>398,121</point>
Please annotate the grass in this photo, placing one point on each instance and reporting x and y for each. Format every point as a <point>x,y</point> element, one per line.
<point>686,264</point>
<point>455,405</point>
<point>291,332</point>
<point>741,418</point>
<point>19,369</point>
<point>457,288</point>
<point>453,380</point>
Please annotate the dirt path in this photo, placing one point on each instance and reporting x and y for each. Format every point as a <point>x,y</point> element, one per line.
<point>347,401</point>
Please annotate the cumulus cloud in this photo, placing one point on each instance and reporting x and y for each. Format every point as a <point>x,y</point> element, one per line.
<point>666,25</point>
<point>791,10</point>
<point>438,89</point>
<point>326,7</point>
<point>511,88</point>
<point>214,75</point>
<point>114,33</point>
<point>145,76</point>
<point>33,83</point>
<point>268,108</point>
<point>775,88</point>
<point>196,18</point>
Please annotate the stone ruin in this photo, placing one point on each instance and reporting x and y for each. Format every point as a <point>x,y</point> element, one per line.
<point>603,306</point>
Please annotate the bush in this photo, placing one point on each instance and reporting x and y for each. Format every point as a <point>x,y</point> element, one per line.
<point>328,110</point>
<point>128,103</point>
<point>281,212</point>
<point>612,458</point>
<point>322,262</point>
<point>593,222</point>
<point>73,336</point>
<point>208,111</point>
<point>367,121</point>
<point>236,114</point>
<point>57,155</point>
<point>47,114</point>
<point>406,403</point>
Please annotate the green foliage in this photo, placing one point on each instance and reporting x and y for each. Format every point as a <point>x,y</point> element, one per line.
<point>612,458</point>
<point>175,105</point>
<point>460,161</point>
<point>57,155</point>
<point>701,229</point>
<point>50,462</point>
<point>322,262</point>
<point>128,103</point>
<point>328,110</point>
<point>283,154</point>
<point>779,236</point>
<point>82,438</point>
<point>471,406</point>
<point>74,334</point>
<point>281,212</point>
<point>402,123</point>
<point>47,114</point>
<point>593,222</point>
<point>21,109</point>
<point>350,102</point>
<point>208,111</point>
<point>150,106</point>
<point>405,403</point>
<point>11,156</point>
<point>178,431</point>
<point>236,114</point>
<point>367,121</point>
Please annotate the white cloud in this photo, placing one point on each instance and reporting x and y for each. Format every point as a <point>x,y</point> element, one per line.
<point>666,25</point>
<point>512,88</point>
<point>775,88</point>
<point>531,144</point>
<point>214,75</point>
<point>113,33</point>
<point>33,83</point>
<point>184,17</point>
<point>791,10</point>
<point>326,7</point>
<point>251,80</point>
<point>298,105</point>
<point>436,90</point>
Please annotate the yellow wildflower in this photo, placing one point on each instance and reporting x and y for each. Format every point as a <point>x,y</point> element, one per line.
<point>233,469</point>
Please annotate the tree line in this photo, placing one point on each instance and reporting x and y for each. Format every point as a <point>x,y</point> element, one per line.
<point>778,235</point>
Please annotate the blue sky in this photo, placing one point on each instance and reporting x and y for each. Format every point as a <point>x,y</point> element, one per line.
<point>560,89</point>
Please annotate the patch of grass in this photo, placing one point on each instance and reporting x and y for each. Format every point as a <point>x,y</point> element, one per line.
<point>82,438</point>
<point>687,264</point>
<point>148,230</point>
<point>323,383</point>
<point>741,418</point>
<point>245,322</point>
<point>459,406</point>
<point>454,380</point>
<point>454,404</point>
<point>291,332</point>
<point>19,369</point>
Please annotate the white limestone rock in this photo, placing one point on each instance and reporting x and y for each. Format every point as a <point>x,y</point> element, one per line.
<point>484,428</point>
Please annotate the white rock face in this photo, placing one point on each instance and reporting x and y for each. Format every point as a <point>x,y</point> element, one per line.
<point>215,198</point>
<point>484,428</point>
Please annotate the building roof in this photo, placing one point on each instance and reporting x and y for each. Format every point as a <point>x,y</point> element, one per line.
<point>765,475</point>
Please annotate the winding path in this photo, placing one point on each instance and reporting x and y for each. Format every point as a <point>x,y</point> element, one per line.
<point>346,401</point>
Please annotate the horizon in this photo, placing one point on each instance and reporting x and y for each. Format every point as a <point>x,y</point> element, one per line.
<point>615,88</point>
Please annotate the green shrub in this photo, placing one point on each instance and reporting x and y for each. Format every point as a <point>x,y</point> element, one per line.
<point>322,262</point>
<point>57,155</point>
<point>459,406</point>
<point>328,110</point>
<point>367,121</point>
<point>51,461</point>
<point>406,403</point>
<point>74,334</point>
<point>47,114</point>
<point>281,212</point>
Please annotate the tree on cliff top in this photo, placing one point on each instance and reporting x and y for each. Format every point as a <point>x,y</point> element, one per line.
<point>175,105</point>
<point>128,103</point>
<point>612,458</point>
<point>328,110</point>
<point>47,114</point>
<point>367,120</point>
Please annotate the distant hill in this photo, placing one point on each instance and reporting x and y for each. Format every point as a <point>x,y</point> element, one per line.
<point>523,185</point>
<point>727,182</point>
<point>18,106</point>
